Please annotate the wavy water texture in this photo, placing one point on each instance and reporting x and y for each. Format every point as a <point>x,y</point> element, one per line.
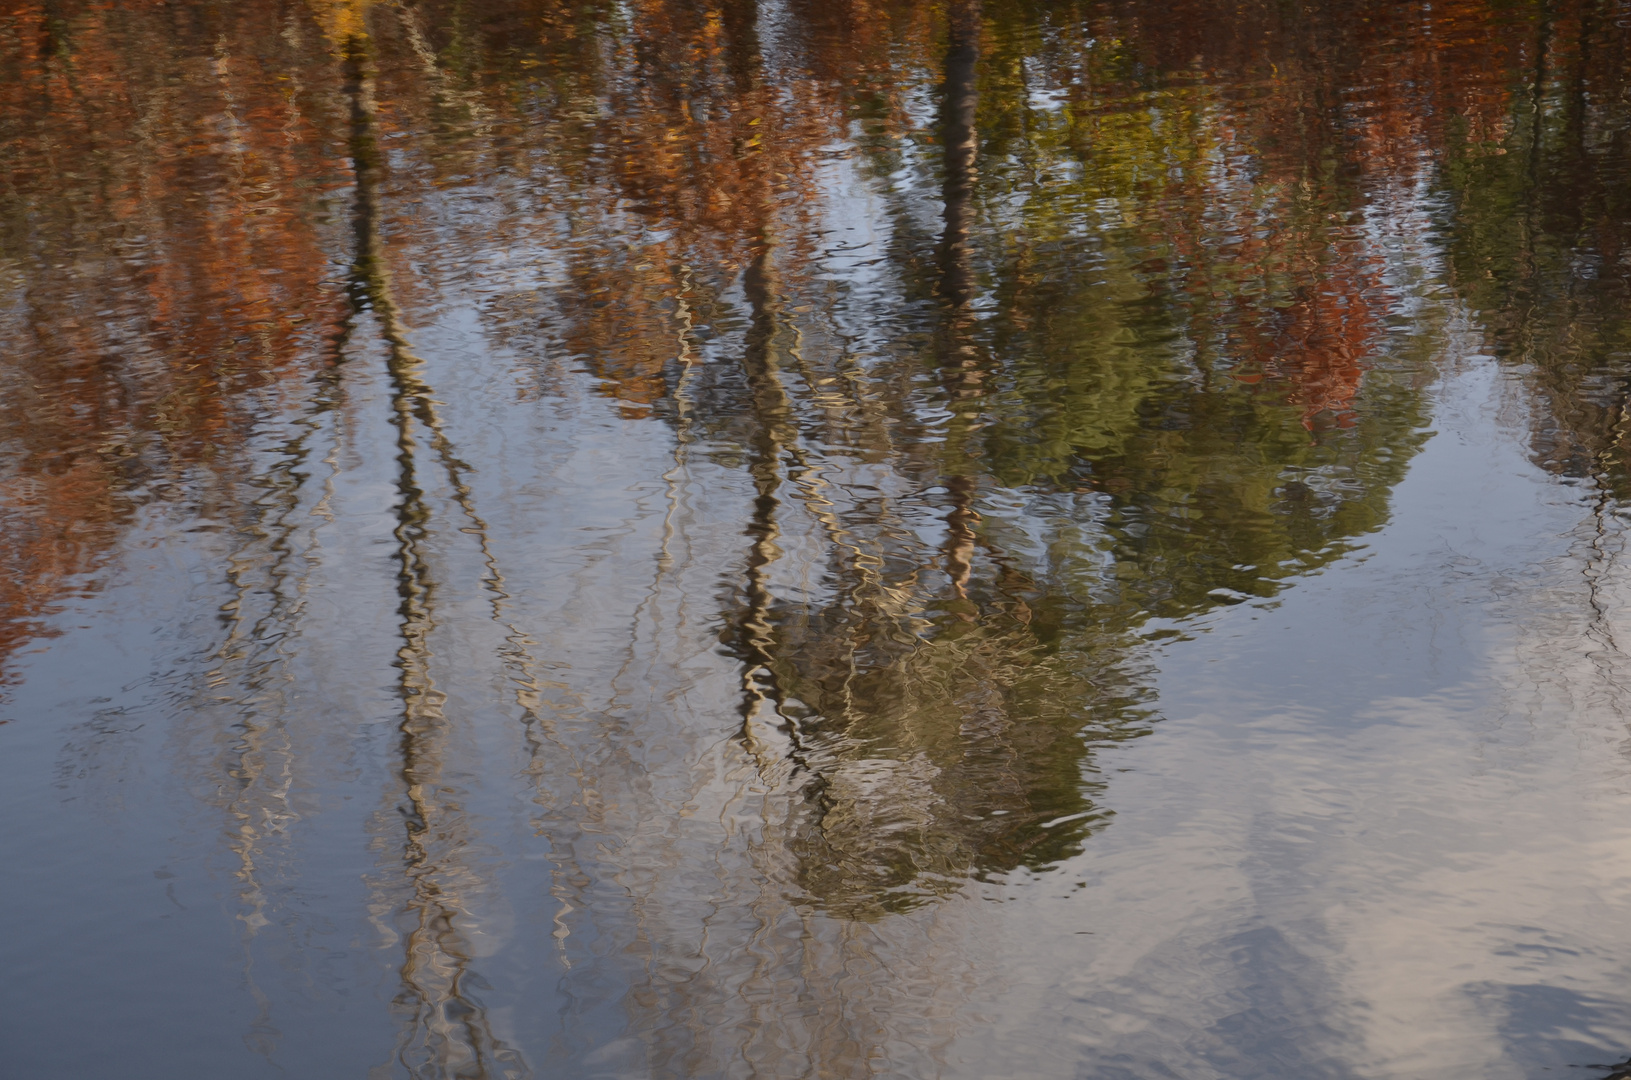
<point>725,538</point>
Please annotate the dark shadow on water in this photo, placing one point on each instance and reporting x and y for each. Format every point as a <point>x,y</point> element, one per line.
<point>1547,1029</point>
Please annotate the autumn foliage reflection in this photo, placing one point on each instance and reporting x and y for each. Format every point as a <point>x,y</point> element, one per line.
<point>165,257</point>
<point>913,277</point>
<point>170,253</point>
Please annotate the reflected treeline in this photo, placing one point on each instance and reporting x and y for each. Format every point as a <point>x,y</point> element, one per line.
<point>446,1032</point>
<point>1015,331</point>
<point>164,255</point>
<point>1542,213</point>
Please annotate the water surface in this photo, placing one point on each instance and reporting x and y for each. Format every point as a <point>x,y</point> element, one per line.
<point>729,538</point>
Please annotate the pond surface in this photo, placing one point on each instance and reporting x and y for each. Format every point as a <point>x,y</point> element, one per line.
<point>815,538</point>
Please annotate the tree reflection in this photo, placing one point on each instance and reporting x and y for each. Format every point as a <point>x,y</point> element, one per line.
<point>447,1032</point>
<point>1541,221</point>
<point>1013,330</point>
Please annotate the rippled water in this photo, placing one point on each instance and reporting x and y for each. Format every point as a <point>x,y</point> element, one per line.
<point>726,538</point>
